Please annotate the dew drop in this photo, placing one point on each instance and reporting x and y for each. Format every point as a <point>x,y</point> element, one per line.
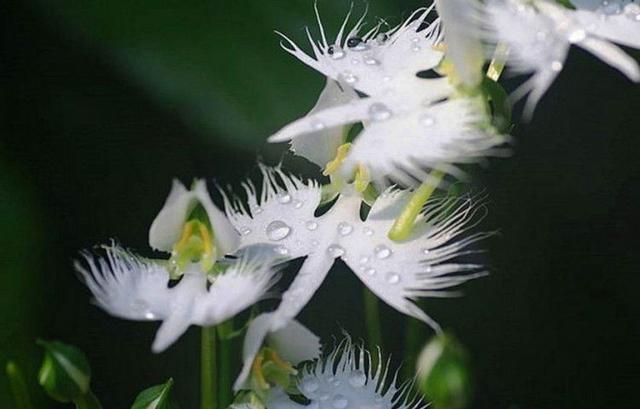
<point>357,379</point>
<point>282,250</point>
<point>339,402</point>
<point>335,250</point>
<point>379,112</point>
<point>426,251</point>
<point>245,231</point>
<point>415,48</point>
<point>311,225</point>
<point>310,385</point>
<point>364,259</point>
<point>369,60</point>
<point>427,120</point>
<point>393,278</point>
<point>257,210</point>
<point>382,251</point>
<point>348,77</point>
<point>285,198</point>
<point>370,271</point>
<point>577,35</point>
<point>317,125</point>
<point>556,66</point>
<point>149,315</point>
<point>278,230</point>
<point>336,52</point>
<point>368,231</point>
<point>382,37</point>
<point>344,229</point>
<point>298,204</point>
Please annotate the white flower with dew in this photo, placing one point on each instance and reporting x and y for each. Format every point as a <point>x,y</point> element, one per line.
<point>348,379</point>
<point>397,272</point>
<point>209,291</point>
<point>410,123</point>
<point>539,33</point>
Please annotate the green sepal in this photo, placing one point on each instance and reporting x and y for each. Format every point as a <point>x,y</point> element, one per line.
<point>499,102</point>
<point>65,373</point>
<point>444,374</point>
<point>156,397</point>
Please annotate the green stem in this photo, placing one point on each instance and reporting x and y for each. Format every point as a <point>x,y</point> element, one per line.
<point>88,401</point>
<point>372,320</point>
<point>412,339</point>
<point>18,386</point>
<point>402,226</point>
<point>224,384</point>
<point>208,371</point>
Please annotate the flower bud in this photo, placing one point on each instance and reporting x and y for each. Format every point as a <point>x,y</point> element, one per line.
<point>156,397</point>
<point>443,373</point>
<point>65,373</point>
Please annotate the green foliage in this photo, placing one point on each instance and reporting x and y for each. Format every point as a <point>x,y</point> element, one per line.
<point>65,373</point>
<point>156,397</point>
<point>18,386</point>
<point>500,105</point>
<point>444,375</point>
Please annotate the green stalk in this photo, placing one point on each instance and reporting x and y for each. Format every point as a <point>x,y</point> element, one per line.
<point>18,386</point>
<point>208,381</point>
<point>413,339</point>
<point>88,401</point>
<point>402,226</point>
<point>224,383</point>
<point>372,320</point>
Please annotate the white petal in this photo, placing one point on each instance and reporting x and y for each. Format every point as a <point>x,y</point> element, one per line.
<point>256,334</point>
<point>399,272</point>
<point>612,55</point>
<point>461,20</point>
<point>347,378</point>
<point>295,343</point>
<point>126,285</point>
<point>167,226</point>
<point>621,28</point>
<point>374,66</point>
<point>321,145</point>
<point>282,216</point>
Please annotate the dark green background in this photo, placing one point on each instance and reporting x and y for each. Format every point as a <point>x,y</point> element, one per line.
<point>103,102</point>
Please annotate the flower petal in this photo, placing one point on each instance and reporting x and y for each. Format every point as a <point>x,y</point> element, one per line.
<point>612,55</point>
<point>295,343</point>
<point>321,145</point>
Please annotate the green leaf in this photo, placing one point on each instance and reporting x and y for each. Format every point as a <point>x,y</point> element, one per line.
<point>65,373</point>
<point>156,397</point>
<point>18,386</point>
<point>444,374</point>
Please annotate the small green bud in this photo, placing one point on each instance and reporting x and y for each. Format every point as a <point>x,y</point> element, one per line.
<point>156,397</point>
<point>65,373</point>
<point>443,373</point>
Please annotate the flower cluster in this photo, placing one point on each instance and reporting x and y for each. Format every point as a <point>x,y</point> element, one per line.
<point>404,110</point>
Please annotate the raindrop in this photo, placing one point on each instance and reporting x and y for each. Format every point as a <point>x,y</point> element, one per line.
<point>382,37</point>
<point>382,251</point>
<point>577,35</point>
<point>370,271</point>
<point>379,112</point>
<point>416,48</point>
<point>393,278</point>
<point>427,120</point>
<point>335,250</point>
<point>245,230</point>
<point>335,52</point>
<point>257,210</point>
<point>298,204</point>
<point>358,379</point>
<point>354,42</point>
<point>317,125</point>
<point>282,250</point>
<point>368,231</point>
<point>556,66</point>
<point>369,60</point>
<point>344,229</point>
<point>285,198</point>
<point>311,225</point>
<point>348,77</point>
<point>149,315</point>
<point>339,402</point>
<point>364,259</point>
<point>278,230</point>
<point>426,251</point>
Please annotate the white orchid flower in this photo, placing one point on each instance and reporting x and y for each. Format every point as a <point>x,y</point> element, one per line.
<point>347,378</point>
<point>131,287</point>
<point>539,33</point>
<point>396,271</point>
<point>410,123</point>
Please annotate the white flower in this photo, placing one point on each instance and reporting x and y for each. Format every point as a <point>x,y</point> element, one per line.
<point>397,272</point>
<point>347,378</point>
<point>197,234</point>
<point>539,34</point>
<point>410,123</point>
<point>130,287</point>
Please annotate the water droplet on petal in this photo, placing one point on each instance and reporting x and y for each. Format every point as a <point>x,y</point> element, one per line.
<point>335,52</point>
<point>278,230</point>
<point>426,251</point>
<point>379,112</point>
<point>348,77</point>
<point>370,271</point>
<point>298,204</point>
<point>357,379</point>
<point>368,231</point>
<point>309,385</point>
<point>317,125</point>
<point>256,210</point>
<point>393,278</point>
<point>415,48</point>
<point>282,250</point>
<point>344,228</point>
<point>382,37</point>
<point>427,120</point>
<point>364,259</point>
<point>577,35</point>
<point>382,251</point>
<point>335,250</point>
<point>284,198</point>
<point>339,402</point>
<point>356,44</point>
<point>311,225</point>
<point>369,60</point>
<point>556,66</point>
<point>149,315</point>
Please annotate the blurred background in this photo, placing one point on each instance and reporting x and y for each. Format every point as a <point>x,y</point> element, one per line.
<point>103,103</point>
